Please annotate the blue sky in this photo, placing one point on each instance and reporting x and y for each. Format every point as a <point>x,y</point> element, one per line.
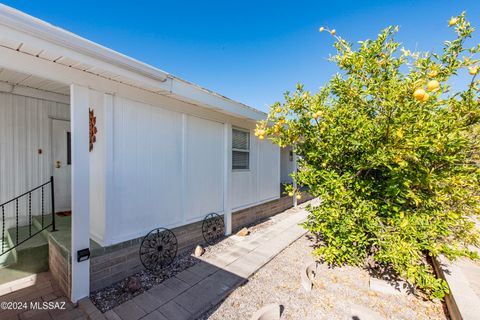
<point>250,51</point>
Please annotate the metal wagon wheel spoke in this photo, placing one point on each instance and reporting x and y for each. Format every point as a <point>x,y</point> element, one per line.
<point>158,249</point>
<point>212,228</point>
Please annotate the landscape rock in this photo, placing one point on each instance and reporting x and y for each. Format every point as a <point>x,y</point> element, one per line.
<point>134,284</point>
<point>269,312</point>
<point>307,275</point>
<point>243,233</point>
<point>199,251</point>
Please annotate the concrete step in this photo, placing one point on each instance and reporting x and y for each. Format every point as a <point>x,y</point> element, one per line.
<point>9,257</point>
<point>47,219</point>
<point>25,233</point>
<point>30,257</point>
<point>62,223</point>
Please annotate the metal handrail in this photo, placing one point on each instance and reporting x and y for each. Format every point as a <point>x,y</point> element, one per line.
<point>28,192</point>
<point>16,200</point>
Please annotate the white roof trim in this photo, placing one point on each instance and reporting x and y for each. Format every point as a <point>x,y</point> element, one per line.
<point>23,22</point>
<point>181,89</point>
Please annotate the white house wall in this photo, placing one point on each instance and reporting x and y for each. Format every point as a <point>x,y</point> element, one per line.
<point>204,169</point>
<point>262,181</point>
<point>168,170</point>
<point>268,176</point>
<point>25,128</point>
<point>167,167</point>
<point>286,165</point>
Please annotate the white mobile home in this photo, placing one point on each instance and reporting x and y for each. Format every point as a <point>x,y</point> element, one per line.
<point>130,147</point>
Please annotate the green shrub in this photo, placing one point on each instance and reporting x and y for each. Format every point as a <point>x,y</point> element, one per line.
<point>392,150</point>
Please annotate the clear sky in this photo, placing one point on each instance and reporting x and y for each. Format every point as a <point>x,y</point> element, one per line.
<point>250,51</point>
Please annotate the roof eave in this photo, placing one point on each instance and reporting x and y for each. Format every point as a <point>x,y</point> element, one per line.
<point>44,31</point>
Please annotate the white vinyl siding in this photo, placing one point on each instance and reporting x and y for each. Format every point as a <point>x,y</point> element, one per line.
<point>168,168</point>
<point>25,150</point>
<point>262,181</point>
<point>240,149</point>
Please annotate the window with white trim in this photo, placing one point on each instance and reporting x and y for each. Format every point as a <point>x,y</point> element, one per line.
<point>240,149</point>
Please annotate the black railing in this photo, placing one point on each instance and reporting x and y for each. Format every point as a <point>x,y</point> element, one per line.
<point>27,196</point>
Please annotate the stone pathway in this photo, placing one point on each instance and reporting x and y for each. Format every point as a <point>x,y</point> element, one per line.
<point>194,291</point>
<point>36,297</point>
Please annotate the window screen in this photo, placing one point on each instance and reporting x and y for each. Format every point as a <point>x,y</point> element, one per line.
<point>240,149</point>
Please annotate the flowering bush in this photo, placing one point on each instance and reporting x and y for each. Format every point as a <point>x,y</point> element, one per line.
<point>392,150</point>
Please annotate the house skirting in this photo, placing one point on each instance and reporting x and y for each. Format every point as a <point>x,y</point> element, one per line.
<point>60,265</point>
<point>112,264</point>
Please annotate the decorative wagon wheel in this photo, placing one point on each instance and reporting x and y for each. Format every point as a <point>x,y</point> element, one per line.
<point>212,228</point>
<point>158,249</point>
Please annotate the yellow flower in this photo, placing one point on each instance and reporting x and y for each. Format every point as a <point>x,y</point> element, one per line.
<point>278,109</point>
<point>453,21</point>
<point>433,85</point>
<point>473,70</point>
<point>261,137</point>
<point>333,32</point>
<point>321,29</point>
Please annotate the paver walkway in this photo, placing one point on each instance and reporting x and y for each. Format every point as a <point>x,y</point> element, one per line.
<point>197,289</point>
<point>36,297</point>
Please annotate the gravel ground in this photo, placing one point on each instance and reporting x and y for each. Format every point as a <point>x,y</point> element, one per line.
<point>336,291</point>
<point>118,293</point>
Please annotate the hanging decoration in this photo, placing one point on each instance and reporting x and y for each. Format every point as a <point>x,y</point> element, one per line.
<point>93,128</point>
<point>158,249</point>
<point>212,228</point>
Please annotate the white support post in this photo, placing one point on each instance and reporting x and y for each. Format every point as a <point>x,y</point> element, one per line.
<point>227,176</point>
<point>183,205</point>
<point>79,104</point>
<point>295,181</point>
<point>109,195</point>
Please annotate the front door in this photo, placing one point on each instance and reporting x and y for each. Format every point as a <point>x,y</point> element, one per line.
<point>62,160</point>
